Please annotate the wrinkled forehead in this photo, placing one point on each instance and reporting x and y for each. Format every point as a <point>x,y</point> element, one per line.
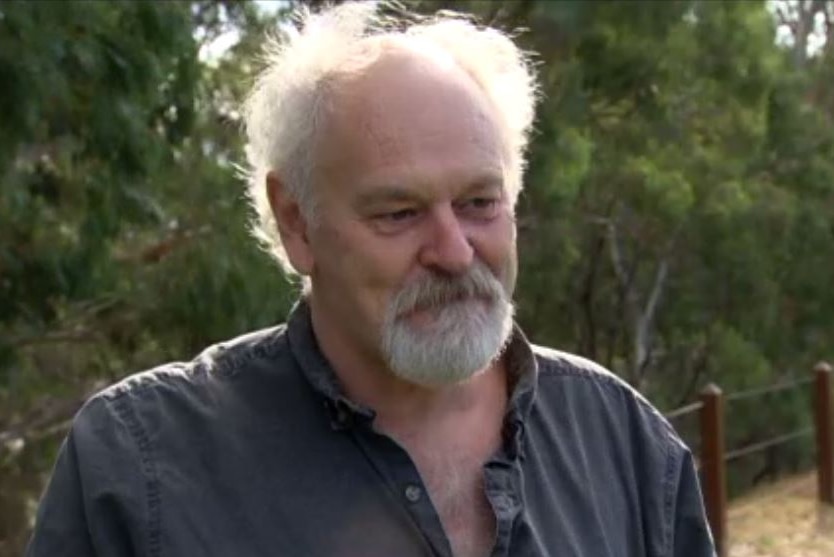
<point>408,110</point>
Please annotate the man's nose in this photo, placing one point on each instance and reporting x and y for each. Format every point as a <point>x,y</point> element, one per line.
<point>446,248</point>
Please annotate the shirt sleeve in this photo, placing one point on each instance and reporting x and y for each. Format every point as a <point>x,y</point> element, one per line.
<point>691,534</point>
<point>61,526</point>
<point>93,505</point>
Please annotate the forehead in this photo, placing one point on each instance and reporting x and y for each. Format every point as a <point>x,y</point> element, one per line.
<point>409,119</point>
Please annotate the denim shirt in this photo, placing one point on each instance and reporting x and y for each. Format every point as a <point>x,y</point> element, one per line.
<point>252,449</point>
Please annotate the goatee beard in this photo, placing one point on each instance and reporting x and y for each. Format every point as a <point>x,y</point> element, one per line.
<point>469,320</point>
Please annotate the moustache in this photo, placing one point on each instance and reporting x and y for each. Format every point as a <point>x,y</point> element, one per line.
<point>434,291</point>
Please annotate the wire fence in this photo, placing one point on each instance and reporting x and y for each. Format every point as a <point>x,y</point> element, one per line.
<point>713,456</point>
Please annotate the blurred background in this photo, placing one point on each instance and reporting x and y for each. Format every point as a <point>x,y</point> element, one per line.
<point>676,225</point>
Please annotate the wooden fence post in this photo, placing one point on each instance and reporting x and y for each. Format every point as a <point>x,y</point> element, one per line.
<point>713,466</point>
<point>822,424</point>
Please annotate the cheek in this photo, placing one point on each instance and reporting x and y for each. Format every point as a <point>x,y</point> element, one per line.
<point>366,265</point>
<point>495,246</point>
<point>495,243</point>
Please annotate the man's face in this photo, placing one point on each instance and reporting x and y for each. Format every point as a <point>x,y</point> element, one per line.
<point>413,247</point>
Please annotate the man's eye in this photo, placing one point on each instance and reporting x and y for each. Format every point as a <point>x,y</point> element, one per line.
<point>397,216</point>
<point>484,203</point>
<point>479,208</point>
<point>391,222</point>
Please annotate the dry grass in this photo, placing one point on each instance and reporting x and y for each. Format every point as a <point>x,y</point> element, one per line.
<point>782,520</point>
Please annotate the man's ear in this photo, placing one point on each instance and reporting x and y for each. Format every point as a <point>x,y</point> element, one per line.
<point>292,225</point>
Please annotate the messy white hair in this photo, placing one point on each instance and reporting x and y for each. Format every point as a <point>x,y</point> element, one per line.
<point>283,109</point>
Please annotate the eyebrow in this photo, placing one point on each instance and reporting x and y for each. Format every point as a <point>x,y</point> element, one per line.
<point>387,193</point>
<point>391,193</point>
<point>485,182</point>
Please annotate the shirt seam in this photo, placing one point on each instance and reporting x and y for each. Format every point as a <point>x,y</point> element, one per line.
<point>231,360</point>
<point>563,369</point>
<point>559,369</point>
<point>669,496</point>
<point>218,360</point>
<point>153,498</point>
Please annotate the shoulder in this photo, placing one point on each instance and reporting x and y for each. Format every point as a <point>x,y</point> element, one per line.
<point>588,420</point>
<point>221,377</point>
<point>602,398</point>
<point>555,363</point>
<point>565,368</point>
<point>218,363</point>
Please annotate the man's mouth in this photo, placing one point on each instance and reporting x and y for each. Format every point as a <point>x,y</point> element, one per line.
<point>433,309</point>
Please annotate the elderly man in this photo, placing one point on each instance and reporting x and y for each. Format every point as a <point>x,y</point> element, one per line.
<point>399,412</point>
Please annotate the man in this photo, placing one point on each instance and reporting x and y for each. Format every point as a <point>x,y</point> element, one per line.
<point>399,412</point>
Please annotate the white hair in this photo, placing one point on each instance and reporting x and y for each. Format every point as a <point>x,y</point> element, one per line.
<point>282,112</point>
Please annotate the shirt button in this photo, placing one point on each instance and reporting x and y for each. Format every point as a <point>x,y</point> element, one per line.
<point>503,501</point>
<point>413,493</point>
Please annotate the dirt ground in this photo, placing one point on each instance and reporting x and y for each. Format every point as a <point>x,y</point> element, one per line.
<point>782,520</point>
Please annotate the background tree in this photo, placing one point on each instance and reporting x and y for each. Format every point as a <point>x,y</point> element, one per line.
<point>123,238</point>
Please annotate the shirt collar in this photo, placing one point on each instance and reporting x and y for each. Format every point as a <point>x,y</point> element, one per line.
<point>518,354</point>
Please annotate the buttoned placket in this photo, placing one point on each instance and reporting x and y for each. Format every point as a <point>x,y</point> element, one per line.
<point>400,475</point>
<point>502,479</point>
<point>502,483</point>
<point>502,474</point>
<point>395,468</point>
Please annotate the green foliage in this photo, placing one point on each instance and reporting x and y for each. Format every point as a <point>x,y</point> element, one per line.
<point>123,236</point>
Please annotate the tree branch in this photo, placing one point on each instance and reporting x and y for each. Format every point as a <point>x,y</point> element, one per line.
<point>616,254</point>
<point>645,322</point>
<point>159,250</point>
<point>643,333</point>
<point>586,298</point>
<point>82,336</point>
<point>43,421</point>
<point>696,363</point>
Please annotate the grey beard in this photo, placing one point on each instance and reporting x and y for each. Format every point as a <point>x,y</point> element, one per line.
<point>472,321</point>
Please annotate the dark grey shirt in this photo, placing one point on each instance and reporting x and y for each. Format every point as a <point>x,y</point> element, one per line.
<point>252,450</point>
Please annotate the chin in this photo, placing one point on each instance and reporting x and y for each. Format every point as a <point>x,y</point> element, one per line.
<point>460,344</point>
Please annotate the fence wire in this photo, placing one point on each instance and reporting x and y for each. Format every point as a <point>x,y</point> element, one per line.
<point>771,389</point>
<point>761,445</point>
